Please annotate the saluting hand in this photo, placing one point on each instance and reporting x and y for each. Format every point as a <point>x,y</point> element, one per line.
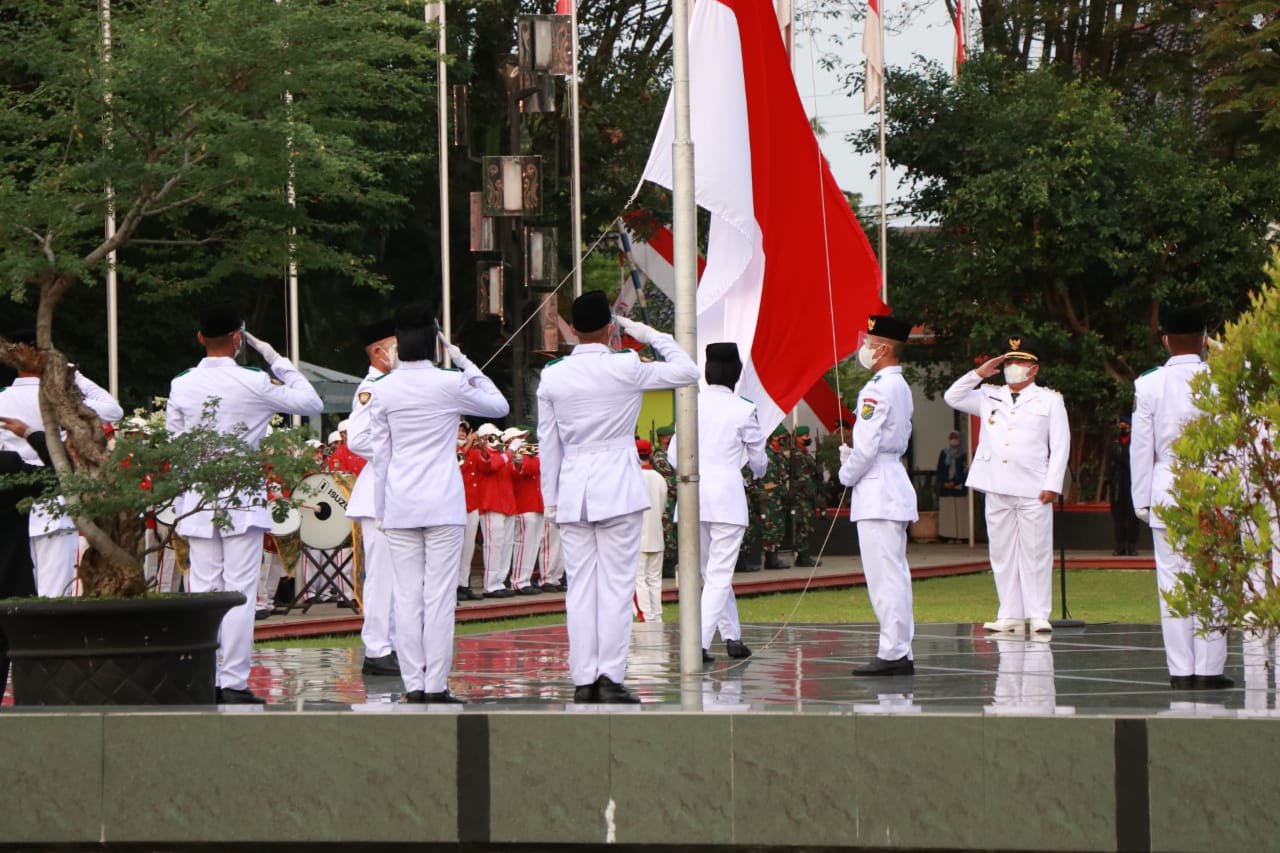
<point>991,367</point>
<point>642,333</point>
<point>266,350</point>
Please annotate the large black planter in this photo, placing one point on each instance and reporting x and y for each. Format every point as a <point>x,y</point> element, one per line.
<point>139,651</point>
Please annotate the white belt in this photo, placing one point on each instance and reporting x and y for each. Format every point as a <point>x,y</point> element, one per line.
<point>889,457</point>
<point>608,446</point>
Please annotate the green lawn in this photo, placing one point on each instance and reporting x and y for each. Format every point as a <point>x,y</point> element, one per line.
<point>1094,595</point>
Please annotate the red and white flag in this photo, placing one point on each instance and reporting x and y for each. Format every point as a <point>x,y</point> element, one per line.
<point>962,34</point>
<point>872,42</point>
<point>790,276</point>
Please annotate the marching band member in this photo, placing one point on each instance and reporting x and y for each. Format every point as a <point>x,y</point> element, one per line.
<point>497,511</point>
<point>247,398</point>
<point>378,631</point>
<point>414,413</point>
<point>527,480</point>
<point>588,403</point>
<point>469,463</point>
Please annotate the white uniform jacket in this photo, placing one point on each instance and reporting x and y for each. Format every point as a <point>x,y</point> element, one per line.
<point>588,403</point>
<point>651,532</point>
<point>21,400</point>
<point>246,396</point>
<point>1162,407</point>
<point>1024,446</point>
<point>413,420</point>
<point>729,436</point>
<point>881,489</point>
<point>360,441</point>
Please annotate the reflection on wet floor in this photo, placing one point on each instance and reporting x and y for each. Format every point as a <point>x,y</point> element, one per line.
<point>1098,670</point>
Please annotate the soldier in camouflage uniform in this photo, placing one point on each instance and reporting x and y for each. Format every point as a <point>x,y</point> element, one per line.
<point>805,496</point>
<point>658,459</point>
<point>828,459</point>
<point>751,540</point>
<point>775,485</point>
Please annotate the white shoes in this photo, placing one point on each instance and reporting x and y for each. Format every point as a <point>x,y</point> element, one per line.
<point>1003,626</point>
<point>1041,626</point>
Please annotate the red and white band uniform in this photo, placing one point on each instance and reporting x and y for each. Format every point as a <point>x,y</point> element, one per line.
<point>729,436</point>
<point>882,502</point>
<point>649,572</point>
<point>1162,406</point>
<point>469,467</point>
<point>377,600</point>
<point>54,543</point>
<point>552,558</point>
<point>497,515</point>
<point>1022,451</point>
<point>230,559</point>
<point>588,403</point>
<point>422,506</point>
<point>527,482</point>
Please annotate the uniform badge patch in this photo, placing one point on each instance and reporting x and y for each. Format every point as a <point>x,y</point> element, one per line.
<point>364,397</point>
<point>275,381</point>
<point>868,409</point>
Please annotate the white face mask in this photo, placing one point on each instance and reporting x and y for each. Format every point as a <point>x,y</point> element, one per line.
<point>867,355</point>
<point>1015,374</point>
<point>392,354</point>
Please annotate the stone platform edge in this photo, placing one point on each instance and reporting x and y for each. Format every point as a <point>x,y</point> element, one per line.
<point>663,778</point>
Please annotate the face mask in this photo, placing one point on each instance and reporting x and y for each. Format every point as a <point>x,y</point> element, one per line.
<point>392,354</point>
<point>867,355</point>
<point>1015,374</point>
<point>955,442</point>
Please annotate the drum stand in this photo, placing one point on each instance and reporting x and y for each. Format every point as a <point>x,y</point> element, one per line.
<point>327,577</point>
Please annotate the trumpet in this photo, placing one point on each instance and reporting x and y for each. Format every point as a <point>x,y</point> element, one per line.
<point>528,449</point>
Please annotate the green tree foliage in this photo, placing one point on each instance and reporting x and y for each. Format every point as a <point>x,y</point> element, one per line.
<point>1240,57</point>
<point>1226,487</point>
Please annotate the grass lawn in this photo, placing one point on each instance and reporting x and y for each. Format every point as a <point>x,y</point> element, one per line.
<point>1106,595</point>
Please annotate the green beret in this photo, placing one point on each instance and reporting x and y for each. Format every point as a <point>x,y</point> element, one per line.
<point>778,431</point>
<point>802,430</point>
<point>667,430</point>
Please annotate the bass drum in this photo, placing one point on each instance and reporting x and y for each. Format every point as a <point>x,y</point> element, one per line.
<point>322,504</point>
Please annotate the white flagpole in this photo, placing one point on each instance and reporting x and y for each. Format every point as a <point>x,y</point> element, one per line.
<point>685,230</point>
<point>109,231</point>
<point>884,228</point>
<point>575,180</point>
<point>291,276</point>
<point>442,76</point>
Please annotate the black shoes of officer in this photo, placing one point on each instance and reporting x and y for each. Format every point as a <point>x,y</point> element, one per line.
<point>232,696</point>
<point>880,666</point>
<point>744,565</point>
<point>736,649</point>
<point>262,613</point>
<point>500,593</point>
<point>552,587</point>
<point>1212,682</point>
<point>707,657</point>
<point>771,561</point>
<point>585,694</point>
<point>804,561</point>
<point>1182,682</point>
<point>466,593</point>
<point>529,590</point>
<point>610,691</point>
<point>414,697</point>
<point>388,664</point>
<point>444,697</point>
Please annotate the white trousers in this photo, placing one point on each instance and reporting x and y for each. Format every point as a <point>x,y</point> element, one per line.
<point>230,563</point>
<point>499,533</point>
<point>426,567</point>
<point>720,544</point>
<point>649,586</point>
<point>161,566</point>
<point>528,543</point>
<point>600,560</point>
<point>378,600</point>
<point>883,548</point>
<point>1185,650</point>
<point>1021,548</point>
<point>468,548</point>
<point>552,557</point>
<point>54,556</point>
<point>269,578</point>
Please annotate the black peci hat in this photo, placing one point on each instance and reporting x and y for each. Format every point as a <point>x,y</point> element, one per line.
<point>591,311</point>
<point>220,319</point>
<point>415,316</point>
<point>1022,348</point>
<point>885,326</point>
<point>724,353</point>
<point>1182,320</point>
<point>378,331</point>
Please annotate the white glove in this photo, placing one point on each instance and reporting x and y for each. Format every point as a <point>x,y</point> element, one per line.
<point>642,333</point>
<point>845,452</point>
<point>1143,514</point>
<point>455,354</point>
<point>264,349</point>
<point>549,512</point>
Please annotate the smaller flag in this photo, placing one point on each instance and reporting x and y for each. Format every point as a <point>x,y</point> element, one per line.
<point>962,34</point>
<point>872,41</point>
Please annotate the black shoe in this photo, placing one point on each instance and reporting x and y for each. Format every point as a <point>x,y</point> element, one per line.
<point>232,696</point>
<point>586,694</point>
<point>1182,682</point>
<point>1212,682</point>
<point>1133,551</point>
<point>771,561</point>
<point>880,666</point>
<point>1119,552</point>
<point>466,593</point>
<point>804,561</point>
<point>563,586</point>
<point>736,649</point>
<point>529,590</point>
<point>444,697</point>
<point>707,657</point>
<point>552,587</point>
<point>286,592</point>
<point>262,613</point>
<point>414,697</point>
<point>387,664</point>
<point>744,565</point>
<point>612,692</point>
<point>500,593</point>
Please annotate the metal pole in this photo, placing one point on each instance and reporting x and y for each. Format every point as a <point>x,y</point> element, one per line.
<point>442,76</point>
<point>291,276</point>
<point>685,228</point>
<point>884,228</point>
<point>109,231</point>
<point>575,179</point>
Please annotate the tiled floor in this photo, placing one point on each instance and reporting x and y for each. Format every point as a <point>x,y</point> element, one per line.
<point>1103,670</point>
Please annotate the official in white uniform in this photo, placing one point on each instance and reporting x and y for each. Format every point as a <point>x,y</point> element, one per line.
<point>1162,406</point>
<point>729,437</point>
<point>378,631</point>
<point>413,415</point>
<point>53,534</point>
<point>882,501</point>
<point>1020,465</point>
<point>588,403</point>
<point>229,559</point>
<point>649,572</point>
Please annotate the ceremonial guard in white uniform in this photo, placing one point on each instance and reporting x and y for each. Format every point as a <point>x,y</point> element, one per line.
<point>247,398</point>
<point>729,437</point>
<point>378,632</point>
<point>414,415</point>
<point>53,534</point>
<point>1162,407</point>
<point>1020,465</point>
<point>649,572</point>
<point>882,501</point>
<point>588,403</point>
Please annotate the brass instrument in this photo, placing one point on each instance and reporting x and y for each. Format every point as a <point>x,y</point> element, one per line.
<point>528,449</point>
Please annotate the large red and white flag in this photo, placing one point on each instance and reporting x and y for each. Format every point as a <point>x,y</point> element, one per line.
<point>790,276</point>
<point>872,48</point>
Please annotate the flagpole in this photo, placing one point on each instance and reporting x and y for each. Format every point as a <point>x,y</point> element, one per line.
<point>575,225</point>
<point>109,230</point>
<point>442,158</point>
<point>685,230</point>
<point>884,227</point>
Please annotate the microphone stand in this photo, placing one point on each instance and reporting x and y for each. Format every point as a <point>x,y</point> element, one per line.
<point>1066,621</point>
